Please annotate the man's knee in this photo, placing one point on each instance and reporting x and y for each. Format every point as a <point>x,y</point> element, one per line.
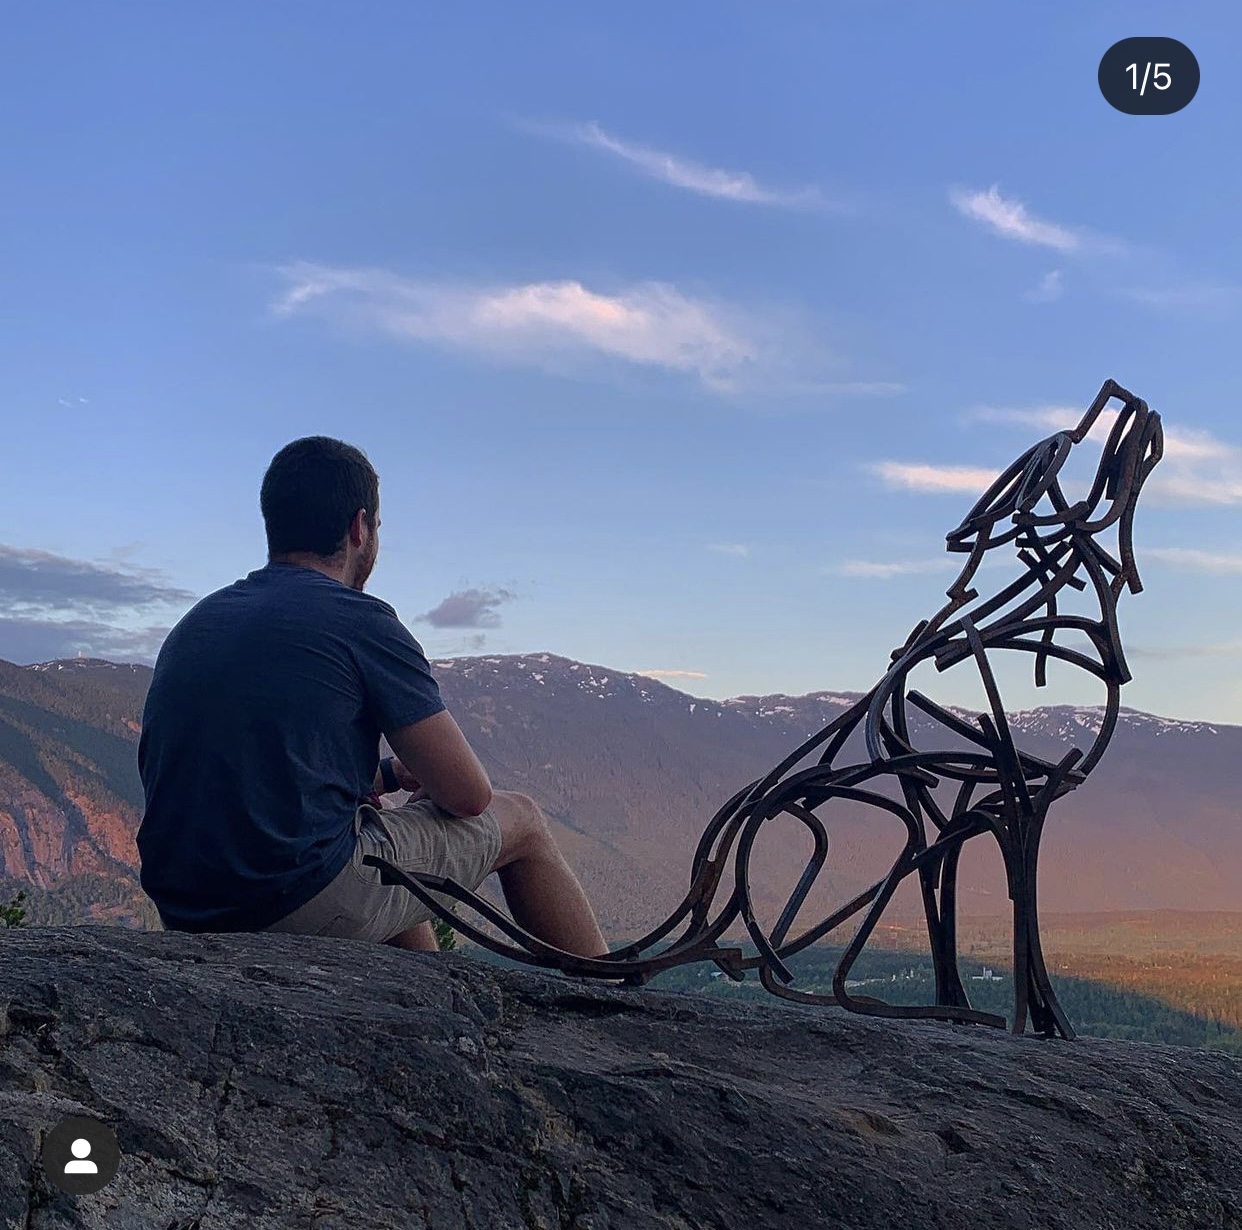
<point>523,826</point>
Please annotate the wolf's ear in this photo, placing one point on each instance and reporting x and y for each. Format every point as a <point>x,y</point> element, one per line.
<point>1134,435</point>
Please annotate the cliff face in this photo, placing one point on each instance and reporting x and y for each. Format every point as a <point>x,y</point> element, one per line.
<point>70,799</point>
<point>281,1081</point>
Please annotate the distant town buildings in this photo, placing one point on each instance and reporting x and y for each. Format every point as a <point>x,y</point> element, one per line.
<point>986,976</point>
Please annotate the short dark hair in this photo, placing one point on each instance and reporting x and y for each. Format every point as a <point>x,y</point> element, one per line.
<point>311,492</point>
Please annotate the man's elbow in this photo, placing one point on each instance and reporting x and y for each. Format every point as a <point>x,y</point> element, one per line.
<point>472,804</point>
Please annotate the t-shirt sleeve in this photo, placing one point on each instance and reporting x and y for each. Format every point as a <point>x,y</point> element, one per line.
<point>398,680</point>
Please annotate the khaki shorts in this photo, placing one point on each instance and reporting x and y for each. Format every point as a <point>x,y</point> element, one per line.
<point>415,837</point>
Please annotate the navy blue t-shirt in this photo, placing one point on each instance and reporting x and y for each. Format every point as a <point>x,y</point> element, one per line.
<point>260,737</point>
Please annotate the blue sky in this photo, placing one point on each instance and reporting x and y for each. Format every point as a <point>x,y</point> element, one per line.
<point>679,335</point>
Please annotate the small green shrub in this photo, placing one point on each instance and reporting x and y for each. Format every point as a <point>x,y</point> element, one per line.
<point>446,937</point>
<point>14,914</point>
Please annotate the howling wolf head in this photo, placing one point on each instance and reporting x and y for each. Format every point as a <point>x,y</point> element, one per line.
<point>1027,505</point>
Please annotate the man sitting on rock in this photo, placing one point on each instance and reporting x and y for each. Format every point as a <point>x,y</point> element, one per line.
<point>260,747</point>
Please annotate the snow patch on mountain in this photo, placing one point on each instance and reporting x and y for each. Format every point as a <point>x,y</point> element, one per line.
<point>83,664</point>
<point>1063,722</point>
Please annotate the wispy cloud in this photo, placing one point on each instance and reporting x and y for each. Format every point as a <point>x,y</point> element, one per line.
<point>564,327</point>
<point>654,674</point>
<point>1164,285</point>
<point>885,571</point>
<point>33,580</point>
<point>57,607</point>
<point>681,172</point>
<point>731,548</point>
<point>545,323</point>
<point>1010,218</point>
<point>1181,444</point>
<point>923,476</point>
<point>1050,288</point>
<point>1190,488</point>
<point>1217,562</point>
<point>468,608</point>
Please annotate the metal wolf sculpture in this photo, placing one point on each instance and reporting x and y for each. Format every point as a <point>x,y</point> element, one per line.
<point>998,788</point>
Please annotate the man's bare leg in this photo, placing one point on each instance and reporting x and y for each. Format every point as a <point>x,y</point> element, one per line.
<point>418,938</point>
<point>541,890</point>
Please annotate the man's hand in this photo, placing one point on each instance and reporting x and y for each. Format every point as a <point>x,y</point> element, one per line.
<point>405,781</point>
<point>408,781</point>
<point>439,756</point>
<point>405,778</point>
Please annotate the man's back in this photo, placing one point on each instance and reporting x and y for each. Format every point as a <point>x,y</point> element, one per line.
<point>260,738</point>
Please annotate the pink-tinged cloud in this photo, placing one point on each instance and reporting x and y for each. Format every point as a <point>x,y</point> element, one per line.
<point>916,476</point>
<point>548,324</point>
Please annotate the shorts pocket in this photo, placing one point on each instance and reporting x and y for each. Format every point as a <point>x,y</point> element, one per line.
<point>372,839</point>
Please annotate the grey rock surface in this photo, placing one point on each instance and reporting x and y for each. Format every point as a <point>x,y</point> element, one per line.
<point>268,1081</point>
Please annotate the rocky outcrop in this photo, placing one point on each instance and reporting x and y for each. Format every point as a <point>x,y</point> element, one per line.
<point>286,1081</point>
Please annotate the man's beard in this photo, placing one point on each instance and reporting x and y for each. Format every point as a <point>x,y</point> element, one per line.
<point>362,572</point>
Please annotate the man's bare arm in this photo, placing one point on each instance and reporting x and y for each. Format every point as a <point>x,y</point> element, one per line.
<point>437,753</point>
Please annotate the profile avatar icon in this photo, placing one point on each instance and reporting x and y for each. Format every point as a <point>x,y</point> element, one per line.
<point>80,1155</point>
<point>81,1164</point>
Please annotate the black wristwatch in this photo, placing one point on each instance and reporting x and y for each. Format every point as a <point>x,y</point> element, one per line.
<point>387,775</point>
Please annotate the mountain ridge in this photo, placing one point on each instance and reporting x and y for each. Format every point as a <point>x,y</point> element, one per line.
<point>830,696</point>
<point>630,769</point>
